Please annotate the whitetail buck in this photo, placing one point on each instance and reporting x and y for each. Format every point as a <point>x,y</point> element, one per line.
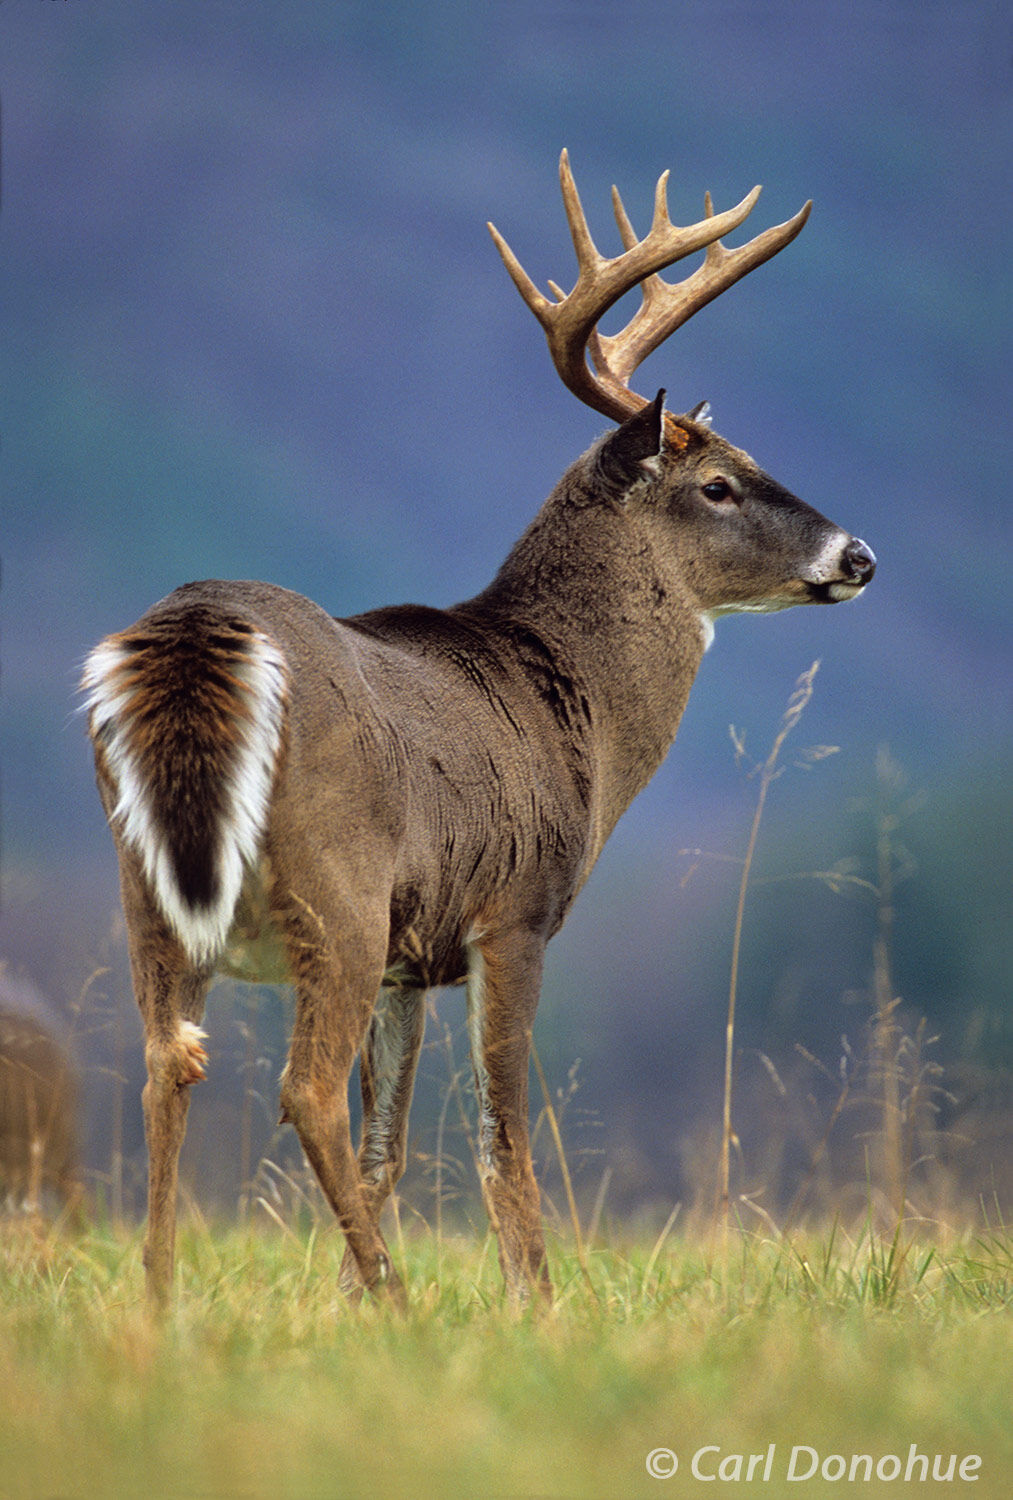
<point>414,796</point>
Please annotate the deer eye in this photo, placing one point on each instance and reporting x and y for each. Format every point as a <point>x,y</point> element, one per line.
<point>718,490</point>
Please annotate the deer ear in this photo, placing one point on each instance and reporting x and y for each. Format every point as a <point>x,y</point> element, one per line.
<point>631,453</point>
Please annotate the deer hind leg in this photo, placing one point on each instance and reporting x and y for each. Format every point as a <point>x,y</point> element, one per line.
<point>172,1004</point>
<point>504,980</point>
<point>387,1066</point>
<point>335,989</point>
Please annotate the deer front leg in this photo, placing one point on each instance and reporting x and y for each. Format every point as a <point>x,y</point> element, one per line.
<point>504,980</point>
<point>387,1066</point>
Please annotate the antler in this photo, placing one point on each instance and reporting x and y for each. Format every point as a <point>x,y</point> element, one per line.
<point>570,323</point>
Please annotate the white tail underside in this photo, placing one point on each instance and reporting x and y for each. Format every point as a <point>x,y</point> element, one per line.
<point>236,842</point>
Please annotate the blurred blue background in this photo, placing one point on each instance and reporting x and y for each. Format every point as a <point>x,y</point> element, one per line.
<point>254,326</point>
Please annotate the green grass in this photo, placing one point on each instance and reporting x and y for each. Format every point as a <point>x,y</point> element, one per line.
<point>262,1382</point>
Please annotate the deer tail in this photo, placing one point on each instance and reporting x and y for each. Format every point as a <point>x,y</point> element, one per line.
<point>187,714</point>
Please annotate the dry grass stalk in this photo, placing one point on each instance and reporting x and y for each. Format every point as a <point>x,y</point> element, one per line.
<point>550,1115</point>
<point>768,771</point>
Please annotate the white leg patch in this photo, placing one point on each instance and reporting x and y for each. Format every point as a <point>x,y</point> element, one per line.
<point>193,1058</point>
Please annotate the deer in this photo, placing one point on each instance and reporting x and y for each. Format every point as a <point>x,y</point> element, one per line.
<point>411,797</point>
<point>38,1108</point>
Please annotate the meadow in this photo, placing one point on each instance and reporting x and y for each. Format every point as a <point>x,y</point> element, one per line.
<point>262,1381</point>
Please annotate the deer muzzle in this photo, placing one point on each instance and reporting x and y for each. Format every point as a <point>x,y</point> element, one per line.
<point>842,571</point>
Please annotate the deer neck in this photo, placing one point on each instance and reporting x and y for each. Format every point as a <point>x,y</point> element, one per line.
<point>596,585</point>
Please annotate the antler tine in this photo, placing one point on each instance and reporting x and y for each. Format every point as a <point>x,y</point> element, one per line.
<point>588,253</point>
<point>660,203</point>
<point>626,231</point>
<point>570,323</point>
<point>521,280</point>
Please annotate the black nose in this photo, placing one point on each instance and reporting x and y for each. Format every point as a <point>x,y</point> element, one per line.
<point>859,561</point>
